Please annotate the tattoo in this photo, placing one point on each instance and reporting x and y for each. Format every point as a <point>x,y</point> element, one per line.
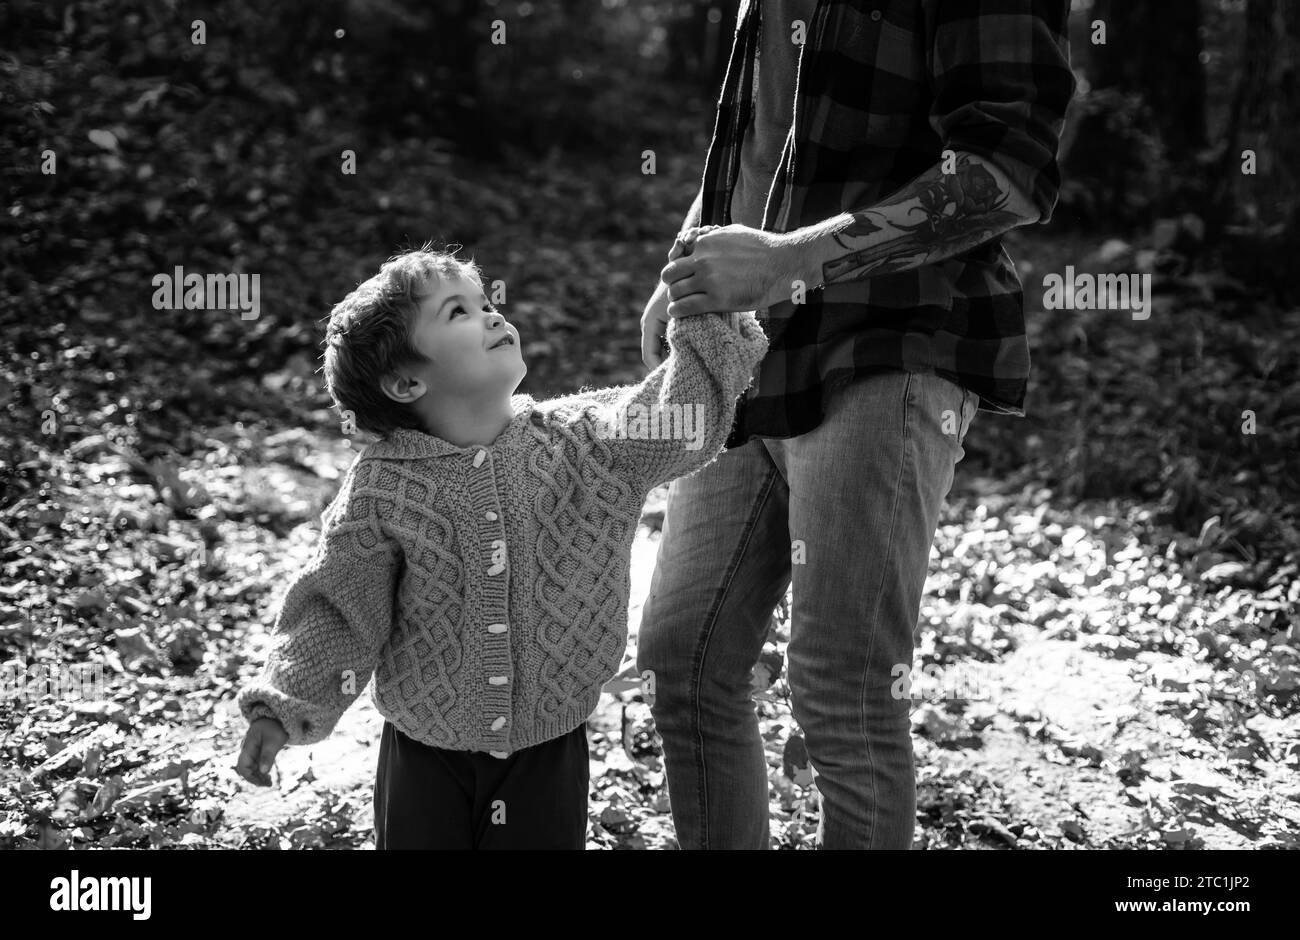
<point>862,225</point>
<point>958,211</point>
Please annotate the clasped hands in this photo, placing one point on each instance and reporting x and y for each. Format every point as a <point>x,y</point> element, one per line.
<point>727,269</point>
<point>718,269</point>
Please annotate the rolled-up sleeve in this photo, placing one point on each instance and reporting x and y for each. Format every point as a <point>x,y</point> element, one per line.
<point>1002,82</point>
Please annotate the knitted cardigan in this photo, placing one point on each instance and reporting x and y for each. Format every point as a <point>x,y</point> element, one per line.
<point>486,587</point>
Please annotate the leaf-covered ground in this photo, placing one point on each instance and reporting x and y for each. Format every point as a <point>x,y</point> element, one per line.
<point>1102,683</point>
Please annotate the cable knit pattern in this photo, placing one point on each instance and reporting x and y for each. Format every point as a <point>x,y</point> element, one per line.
<point>486,588</point>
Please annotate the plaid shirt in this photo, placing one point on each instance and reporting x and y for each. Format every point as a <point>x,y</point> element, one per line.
<point>883,88</point>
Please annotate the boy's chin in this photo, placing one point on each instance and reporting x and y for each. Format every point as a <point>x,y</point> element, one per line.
<point>512,380</point>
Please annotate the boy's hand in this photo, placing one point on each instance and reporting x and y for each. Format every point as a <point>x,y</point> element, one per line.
<point>654,321</point>
<point>263,741</point>
<point>684,244</point>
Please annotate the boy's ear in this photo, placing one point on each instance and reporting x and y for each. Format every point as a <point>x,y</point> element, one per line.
<point>402,388</point>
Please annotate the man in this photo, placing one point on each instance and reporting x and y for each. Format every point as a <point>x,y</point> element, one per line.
<point>866,157</point>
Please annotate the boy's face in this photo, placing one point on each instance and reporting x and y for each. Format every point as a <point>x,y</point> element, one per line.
<point>475,353</point>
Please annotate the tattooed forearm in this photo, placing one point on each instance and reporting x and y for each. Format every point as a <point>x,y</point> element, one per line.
<point>862,225</point>
<point>936,216</point>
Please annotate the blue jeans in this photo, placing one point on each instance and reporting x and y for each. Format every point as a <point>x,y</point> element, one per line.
<point>854,503</point>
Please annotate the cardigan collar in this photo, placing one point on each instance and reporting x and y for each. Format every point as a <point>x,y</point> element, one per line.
<point>410,444</point>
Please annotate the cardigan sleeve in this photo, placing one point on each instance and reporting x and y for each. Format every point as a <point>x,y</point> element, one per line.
<point>677,419</point>
<point>335,618</point>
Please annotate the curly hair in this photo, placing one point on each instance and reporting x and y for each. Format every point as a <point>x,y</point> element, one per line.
<point>369,335</point>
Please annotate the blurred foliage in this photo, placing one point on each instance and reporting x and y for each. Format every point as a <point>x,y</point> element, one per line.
<point>226,157</point>
<point>1116,162</point>
<point>1165,107</point>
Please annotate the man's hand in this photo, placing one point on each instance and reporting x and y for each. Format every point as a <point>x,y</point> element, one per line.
<point>654,322</point>
<point>732,269</point>
<point>263,741</point>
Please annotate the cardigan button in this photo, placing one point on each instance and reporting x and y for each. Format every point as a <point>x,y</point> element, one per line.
<point>478,458</point>
<point>875,16</point>
<point>500,755</point>
<point>499,723</point>
<point>496,628</point>
<point>490,516</point>
<point>498,680</point>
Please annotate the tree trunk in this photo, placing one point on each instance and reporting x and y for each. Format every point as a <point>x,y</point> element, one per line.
<point>1140,126</point>
<point>1154,47</point>
<point>1260,213</point>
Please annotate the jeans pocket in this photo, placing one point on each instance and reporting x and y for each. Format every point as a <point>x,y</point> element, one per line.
<point>970,402</point>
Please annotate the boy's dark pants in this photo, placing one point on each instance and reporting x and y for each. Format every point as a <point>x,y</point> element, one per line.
<point>430,798</point>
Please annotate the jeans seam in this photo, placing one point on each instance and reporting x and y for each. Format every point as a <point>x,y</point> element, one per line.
<point>697,667</point>
<point>875,613</point>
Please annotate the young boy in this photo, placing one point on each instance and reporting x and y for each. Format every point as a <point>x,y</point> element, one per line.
<point>476,557</point>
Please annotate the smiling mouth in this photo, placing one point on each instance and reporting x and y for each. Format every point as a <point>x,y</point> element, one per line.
<point>505,340</point>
